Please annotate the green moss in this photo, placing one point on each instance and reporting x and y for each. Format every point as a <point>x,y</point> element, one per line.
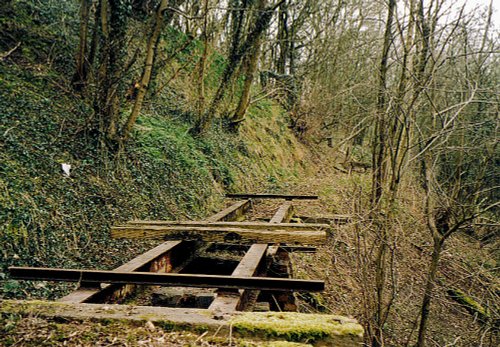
<point>471,305</point>
<point>30,307</point>
<point>287,344</point>
<point>296,326</point>
<point>166,325</point>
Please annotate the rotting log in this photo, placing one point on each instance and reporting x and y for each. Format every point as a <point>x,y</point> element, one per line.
<point>234,212</point>
<point>167,257</point>
<point>272,196</point>
<point>284,214</point>
<point>227,302</point>
<point>138,224</point>
<point>164,279</point>
<point>214,234</point>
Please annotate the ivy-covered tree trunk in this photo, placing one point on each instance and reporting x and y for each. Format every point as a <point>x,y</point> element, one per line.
<point>114,20</point>
<point>82,60</point>
<point>251,68</point>
<point>261,24</point>
<point>148,67</point>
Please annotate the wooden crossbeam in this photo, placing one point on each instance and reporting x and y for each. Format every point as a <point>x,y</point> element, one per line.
<point>272,196</point>
<point>284,214</point>
<point>227,302</point>
<point>138,224</point>
<point>157,259</point>
<point>233,212</point>
<point>221,234</point>
<point>164,279</point>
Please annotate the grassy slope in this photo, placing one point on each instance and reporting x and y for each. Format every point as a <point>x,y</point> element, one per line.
<point>47,219</point>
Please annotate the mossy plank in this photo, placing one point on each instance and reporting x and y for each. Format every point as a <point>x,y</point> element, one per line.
<point>275,328</point>
<point>318,329</point>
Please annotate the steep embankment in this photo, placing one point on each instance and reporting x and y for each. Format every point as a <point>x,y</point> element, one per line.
<point>49,219</point>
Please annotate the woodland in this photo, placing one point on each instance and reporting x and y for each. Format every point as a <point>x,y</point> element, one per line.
<point>389,110</point>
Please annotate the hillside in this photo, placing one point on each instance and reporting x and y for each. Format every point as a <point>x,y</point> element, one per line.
<point>235,103</point>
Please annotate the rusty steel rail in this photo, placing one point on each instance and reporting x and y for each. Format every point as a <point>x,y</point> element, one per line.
<point>272,196</point>
<point>165,279</point>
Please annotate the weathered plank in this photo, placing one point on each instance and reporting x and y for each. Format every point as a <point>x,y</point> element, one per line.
<point>214,234</point>
<point>233,212</point>
<point>272,196</point>
<point>158,259</point>
<point>284,214</point>
<point>227,302</point>
<point>243,225</point>
<point>311,329</point>
<point>164,279</point>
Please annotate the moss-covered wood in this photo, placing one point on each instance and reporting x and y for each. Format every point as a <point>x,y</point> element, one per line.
<point>272,329</point>
<point>328,330</point>
<point>470,304</point>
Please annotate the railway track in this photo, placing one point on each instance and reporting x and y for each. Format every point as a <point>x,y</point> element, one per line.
<point>205,272</point>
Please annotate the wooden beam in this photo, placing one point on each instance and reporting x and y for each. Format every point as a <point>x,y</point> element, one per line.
<point>284,214</point>
<point>164,279</point>
<point>272,196</point>
<point>233,212</point>
<point>138,224</point>
<point>333,330</point>
<point>164,258</point>
<point>227,302</point>
<point>214,234</point>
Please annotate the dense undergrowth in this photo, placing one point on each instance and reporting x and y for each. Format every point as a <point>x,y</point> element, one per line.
<point>49,219</point>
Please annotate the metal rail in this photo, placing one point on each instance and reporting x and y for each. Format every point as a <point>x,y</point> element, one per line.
<point>165,279</point>
<point>272,196</point>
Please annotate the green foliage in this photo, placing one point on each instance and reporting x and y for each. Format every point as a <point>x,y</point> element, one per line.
<point>44,29</point>
<point>49,219</point>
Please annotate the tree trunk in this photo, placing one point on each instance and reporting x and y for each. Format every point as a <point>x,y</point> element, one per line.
<point>148,67</point>
<point>378,180</point>
<point>250,69</point>
<point>203,62</point>
<point>261,24</point>
<point>116,55</point>
<point>80,76</point>
<point>380,138</point>
<point>429,286</point>
<point>239,114</point>
<point>282,38</point>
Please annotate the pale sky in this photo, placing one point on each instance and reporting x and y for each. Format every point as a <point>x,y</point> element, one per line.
<point>471,4</point>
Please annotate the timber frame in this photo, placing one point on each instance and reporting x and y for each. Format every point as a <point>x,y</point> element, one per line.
<point>265,247</point>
